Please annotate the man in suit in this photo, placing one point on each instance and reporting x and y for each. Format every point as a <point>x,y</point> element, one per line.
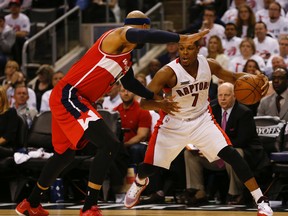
<point>240,127</point>
<point>276,104</point>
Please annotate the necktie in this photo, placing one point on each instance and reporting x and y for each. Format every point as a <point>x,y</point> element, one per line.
<point>278,105</point>
<point>220,163</point>
<point>224,120</point>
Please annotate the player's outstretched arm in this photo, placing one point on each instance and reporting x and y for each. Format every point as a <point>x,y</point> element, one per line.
<point>140,36</point>
<point>220,72</point>
<point>161,79</point>
<point>126,38</point>
<point>231,77</point>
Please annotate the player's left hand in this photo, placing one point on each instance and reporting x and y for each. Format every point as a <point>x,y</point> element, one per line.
<point>265,87</point>
<point>193,37</point>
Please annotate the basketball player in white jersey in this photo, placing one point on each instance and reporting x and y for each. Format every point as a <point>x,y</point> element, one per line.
<point>186,117</point>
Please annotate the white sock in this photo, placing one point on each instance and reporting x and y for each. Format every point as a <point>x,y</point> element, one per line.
<point>140,181</point>
<point>257,194</point>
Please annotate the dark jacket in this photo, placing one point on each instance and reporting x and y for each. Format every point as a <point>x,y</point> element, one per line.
<point>241,130</point>
<point>8,130</point>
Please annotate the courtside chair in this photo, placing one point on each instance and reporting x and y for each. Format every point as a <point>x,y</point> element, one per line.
<point>42,16</point>
<point>280,166</point>
<point>273,134</point>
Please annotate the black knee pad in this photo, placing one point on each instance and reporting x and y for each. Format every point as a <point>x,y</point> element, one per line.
<point>239,165</point>
<point>228,154</point>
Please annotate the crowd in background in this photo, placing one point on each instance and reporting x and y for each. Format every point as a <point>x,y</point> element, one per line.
<point>248,36</point>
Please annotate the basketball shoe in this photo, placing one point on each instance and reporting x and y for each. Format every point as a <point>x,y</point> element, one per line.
<point>264,208</point>
<point>133,194</point>
<point>94,211</point>
<point>24,209</point>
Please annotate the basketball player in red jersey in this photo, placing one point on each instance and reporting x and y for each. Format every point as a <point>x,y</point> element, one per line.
<point>186,118</point>
<point>74,120</point>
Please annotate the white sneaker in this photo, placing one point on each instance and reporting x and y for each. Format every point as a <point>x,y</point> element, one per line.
<point>133,194</point>
<point>264,208</point>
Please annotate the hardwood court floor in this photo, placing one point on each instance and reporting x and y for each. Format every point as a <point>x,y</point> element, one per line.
<point>171,209</point>
<point>61,212</point>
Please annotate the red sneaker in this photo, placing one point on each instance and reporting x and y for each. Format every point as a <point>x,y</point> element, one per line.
<point>24,209</point>
<point>94,211</point>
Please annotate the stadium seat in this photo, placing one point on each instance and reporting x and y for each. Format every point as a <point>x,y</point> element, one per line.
<point>280,166</point>
<point>273,133</point>
<point>269,130</point>
<point>42,16</point>
<point>40,135</point>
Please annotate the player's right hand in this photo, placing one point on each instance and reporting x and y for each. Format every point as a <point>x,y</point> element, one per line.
<point>265,86</point>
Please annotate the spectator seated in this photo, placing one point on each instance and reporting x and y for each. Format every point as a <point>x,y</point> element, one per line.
<point>40,132</point>
<point>8,169</point>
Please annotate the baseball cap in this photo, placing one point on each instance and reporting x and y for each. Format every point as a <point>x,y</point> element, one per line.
<point>14,2</point>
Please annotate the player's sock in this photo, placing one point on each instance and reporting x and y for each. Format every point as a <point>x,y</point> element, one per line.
<point>35,197</point>
<point>256,194</point>
<point>140,181</point>
<point>91,198</point>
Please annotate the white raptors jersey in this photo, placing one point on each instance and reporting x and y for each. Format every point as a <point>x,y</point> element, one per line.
<point>191,94</point>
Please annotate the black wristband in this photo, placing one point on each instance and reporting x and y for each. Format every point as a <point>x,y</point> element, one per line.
<point>150,95</point>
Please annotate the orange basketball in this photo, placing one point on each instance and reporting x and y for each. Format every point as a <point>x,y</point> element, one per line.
<point>247,89</point>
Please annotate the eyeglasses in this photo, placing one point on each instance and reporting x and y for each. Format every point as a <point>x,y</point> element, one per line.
<point>283,44</point>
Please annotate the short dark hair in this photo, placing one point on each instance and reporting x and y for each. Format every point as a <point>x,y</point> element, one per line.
<point>211,8</point>
<point>261,22</point>
<point>231,24</point>
<point>15,2</point>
